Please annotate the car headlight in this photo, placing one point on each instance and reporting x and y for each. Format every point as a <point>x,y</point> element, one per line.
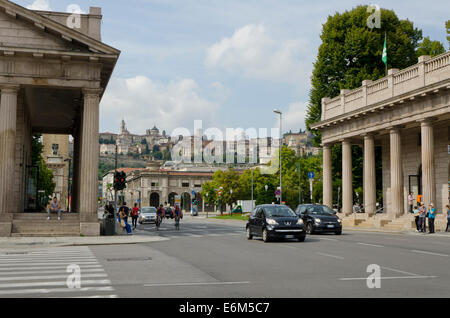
<point>317,220</point>
<point>339,220</point>
<point>300,222</point>
<point>271,222</point>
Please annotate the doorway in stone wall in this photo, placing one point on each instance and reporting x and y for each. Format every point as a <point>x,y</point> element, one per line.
<point>415,184</point>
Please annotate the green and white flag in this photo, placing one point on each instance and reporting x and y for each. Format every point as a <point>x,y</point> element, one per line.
<point>384,57</point>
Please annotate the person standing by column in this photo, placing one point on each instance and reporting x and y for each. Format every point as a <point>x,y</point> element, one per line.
<point>416,218</point>
<point>431,217</point>
<point>411,202</point>
<point>422,218</point>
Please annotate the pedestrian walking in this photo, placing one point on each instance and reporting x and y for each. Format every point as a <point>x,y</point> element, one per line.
<point>126,211</point>
<point>448,218</point>
<point>431,217</point>
<point>411,202</point>
<point>416,218</point>
<point>422,218</point>
<point>178,215</point>
<point>122,221</point>
<point>54,207</point>
<point>135,215</point>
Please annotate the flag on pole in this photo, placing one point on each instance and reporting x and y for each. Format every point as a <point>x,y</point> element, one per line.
<point>384,58</point>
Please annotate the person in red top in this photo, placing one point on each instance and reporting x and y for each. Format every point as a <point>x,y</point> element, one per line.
<point>135,215</point>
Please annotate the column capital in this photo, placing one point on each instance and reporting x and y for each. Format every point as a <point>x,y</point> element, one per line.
<point>368,135</point>
<point>9,88</point>
<point>87,92</point>
<point>426,121</point>
<point>394,129</point>
<point>327,145</point>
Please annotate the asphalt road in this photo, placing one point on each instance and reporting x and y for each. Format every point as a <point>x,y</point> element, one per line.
<point>214,259</point>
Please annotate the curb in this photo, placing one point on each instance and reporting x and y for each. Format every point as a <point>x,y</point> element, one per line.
<point>437,234</point>
<point>76,241</point>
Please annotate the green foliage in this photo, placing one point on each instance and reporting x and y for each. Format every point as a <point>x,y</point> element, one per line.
<point>45,179</point>
<point>351,52</point>
<point>103,169</point>
<point>447,27</point>
<point>431,48</point>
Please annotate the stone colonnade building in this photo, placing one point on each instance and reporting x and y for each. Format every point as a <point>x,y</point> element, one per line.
<point>52,78</point>
<point>407,113</point>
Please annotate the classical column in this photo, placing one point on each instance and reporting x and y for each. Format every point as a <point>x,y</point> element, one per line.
<point>428,182</point>
<point>327,177</point>
<point>8,124</point>
<point>88,184</point>
<point>347,186</point>
<point>369,179</point>
<point>397,200</point>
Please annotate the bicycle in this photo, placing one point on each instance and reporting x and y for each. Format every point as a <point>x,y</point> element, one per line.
<point>158,221</point>
<point>177,222</point>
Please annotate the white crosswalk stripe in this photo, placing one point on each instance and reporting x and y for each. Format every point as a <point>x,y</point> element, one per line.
<point>46,273</point>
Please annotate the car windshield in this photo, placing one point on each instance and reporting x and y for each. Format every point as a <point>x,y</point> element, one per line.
<point>320,210</point>
<point>148,210</point>
<point>278,211</point>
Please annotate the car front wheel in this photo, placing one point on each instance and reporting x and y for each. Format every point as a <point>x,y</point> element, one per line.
<point>301,238</point>
<point>249,234</point>
<point>309,228</point>
<point>265,236</point>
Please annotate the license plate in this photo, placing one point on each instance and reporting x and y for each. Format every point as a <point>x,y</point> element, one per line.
<point>330,226</point>
<point>289,236</point>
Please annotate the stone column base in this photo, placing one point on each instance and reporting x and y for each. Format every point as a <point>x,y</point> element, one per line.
<point>90,229</point>
<point>5,229</point>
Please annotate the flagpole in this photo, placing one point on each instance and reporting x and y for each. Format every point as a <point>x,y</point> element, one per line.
<point>385,41</point>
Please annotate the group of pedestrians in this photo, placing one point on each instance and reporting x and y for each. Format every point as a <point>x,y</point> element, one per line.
<point>422,214</point>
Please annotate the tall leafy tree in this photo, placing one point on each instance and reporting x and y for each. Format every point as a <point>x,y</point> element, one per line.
<point>45,179</point>
<point>431,48</point>
<point>351,52</point>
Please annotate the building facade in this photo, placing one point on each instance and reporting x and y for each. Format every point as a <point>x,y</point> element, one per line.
<point>56,156</point>
<point>407,114</point>
<point>52,78</point>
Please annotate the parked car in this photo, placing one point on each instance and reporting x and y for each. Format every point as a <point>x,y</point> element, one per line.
<point>271,221</point>
<point>147,214</point>
<point>319,218</point>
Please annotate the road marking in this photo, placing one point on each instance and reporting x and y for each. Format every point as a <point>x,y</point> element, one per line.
<point>329,255</point>
<point>292,247</point>
<point>16,278</point>
<point>64,267</point>
<point>61,270</point>
<point>399,277</point>
<point>429,253</point>
<point>373,245</point>
<point>327,239</point>
<point>196,284</point>
<point>398,271</point>
<point>51,263</point>
<point>55,290</point>
<point>84,282</point>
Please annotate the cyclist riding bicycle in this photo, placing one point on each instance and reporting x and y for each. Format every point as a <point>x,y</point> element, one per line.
<point>178,215</point>
<point>159,216</point>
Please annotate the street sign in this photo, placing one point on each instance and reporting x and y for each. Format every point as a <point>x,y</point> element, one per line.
<point>311,175</point>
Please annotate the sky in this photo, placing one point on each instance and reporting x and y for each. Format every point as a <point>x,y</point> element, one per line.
<point>229,63</point>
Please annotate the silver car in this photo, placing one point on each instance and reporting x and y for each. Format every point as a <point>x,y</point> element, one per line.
<point>147,214</point>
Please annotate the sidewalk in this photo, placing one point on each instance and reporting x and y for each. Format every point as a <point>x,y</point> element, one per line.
<point>16,242</point>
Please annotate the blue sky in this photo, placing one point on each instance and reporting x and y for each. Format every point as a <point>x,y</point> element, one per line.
<point>226,62</point>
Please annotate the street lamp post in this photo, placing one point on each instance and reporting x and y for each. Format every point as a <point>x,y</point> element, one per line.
<point>276,111</point>
<point>252,192</point>
<point>231,200</point>
<point>207,194</point>
<point>267,188</point>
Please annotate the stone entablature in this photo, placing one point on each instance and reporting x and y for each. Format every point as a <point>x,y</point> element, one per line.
<point>425,77</point>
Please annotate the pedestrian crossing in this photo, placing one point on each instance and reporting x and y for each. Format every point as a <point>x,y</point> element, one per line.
<point>53,273</point>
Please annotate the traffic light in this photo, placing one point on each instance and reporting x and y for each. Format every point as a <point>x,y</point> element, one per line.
<point>120,179</point>
<point>116,180</point>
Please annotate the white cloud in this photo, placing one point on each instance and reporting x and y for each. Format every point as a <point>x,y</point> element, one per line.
<point>42,5</point>
<point>144,102</point>
<point>294,117</point>
<point>255,53</point>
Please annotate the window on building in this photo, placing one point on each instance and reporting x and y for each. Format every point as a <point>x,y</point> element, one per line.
<point>185,184</point>
<point>55,148</point>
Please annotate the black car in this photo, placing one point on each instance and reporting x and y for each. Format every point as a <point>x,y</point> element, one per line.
<point>168,213</point>
<point>272,221</point>
<point>319,218</point>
